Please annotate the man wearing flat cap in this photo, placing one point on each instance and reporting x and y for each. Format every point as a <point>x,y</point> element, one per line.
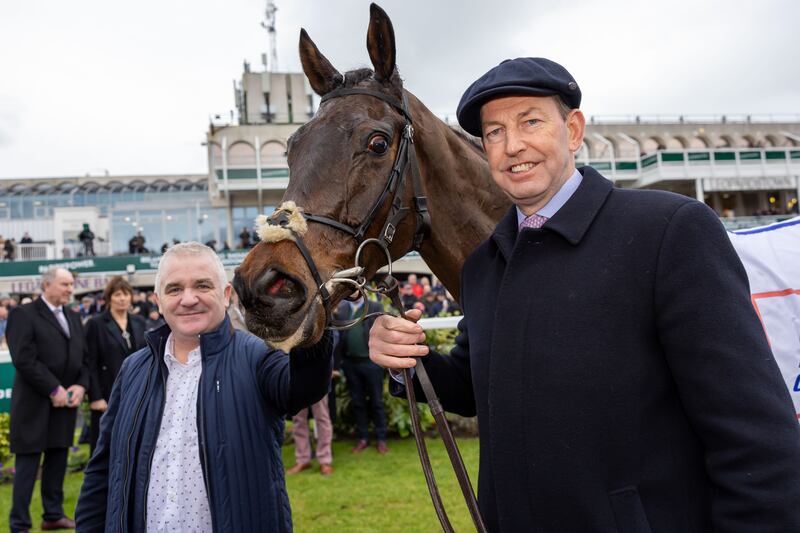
<point>621,378</point>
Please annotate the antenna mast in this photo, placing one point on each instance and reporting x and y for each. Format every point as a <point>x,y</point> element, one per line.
<point>269,24</point>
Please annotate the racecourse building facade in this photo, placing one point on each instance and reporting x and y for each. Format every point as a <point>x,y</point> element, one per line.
<point>741,166</point>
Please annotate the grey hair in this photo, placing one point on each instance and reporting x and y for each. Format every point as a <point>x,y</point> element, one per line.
<point>191,249</point>
<point>49,275</point>
<point>563,108</point>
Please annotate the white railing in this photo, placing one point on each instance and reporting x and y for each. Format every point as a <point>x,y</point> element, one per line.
<point>75,249</point>
<point>734,118</point>
<point>40,251</point>
<point>449,117</point>
<point>702,163</point>
<point>439,322</point>
<point>36,251</point>
<point>737,223</point>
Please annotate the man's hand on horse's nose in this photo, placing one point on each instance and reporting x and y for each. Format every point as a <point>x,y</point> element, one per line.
<point>393,341</point>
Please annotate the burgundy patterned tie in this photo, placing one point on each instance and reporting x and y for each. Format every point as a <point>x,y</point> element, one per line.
<point>533,221</point>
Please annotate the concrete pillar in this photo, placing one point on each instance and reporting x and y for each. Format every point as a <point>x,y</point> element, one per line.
<point>229,220</point>
<point>698,190</point>
<point>797,179</point>
<point>258,174</point>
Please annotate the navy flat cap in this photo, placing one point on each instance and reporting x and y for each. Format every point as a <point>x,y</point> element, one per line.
<point>535,76</point>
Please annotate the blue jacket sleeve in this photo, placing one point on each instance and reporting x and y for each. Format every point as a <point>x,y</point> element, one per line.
<point>90,513</point>
<point>297,380</point>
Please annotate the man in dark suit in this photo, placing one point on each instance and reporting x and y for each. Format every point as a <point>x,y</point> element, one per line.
<point>48,350</point>
<point>621,378</point>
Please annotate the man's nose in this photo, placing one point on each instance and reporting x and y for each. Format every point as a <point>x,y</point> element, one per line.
<point>514,143</point>
<point>188,297</point>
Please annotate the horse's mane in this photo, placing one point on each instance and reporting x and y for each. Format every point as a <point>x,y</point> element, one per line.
<point>471,140</point>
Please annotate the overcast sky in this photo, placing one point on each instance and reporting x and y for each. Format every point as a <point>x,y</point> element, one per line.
<point>93,85</point>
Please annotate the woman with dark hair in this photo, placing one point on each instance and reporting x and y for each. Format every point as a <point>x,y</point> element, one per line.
<point>111,336</point>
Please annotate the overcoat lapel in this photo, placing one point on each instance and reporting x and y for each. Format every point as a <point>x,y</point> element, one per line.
<point>572,221</point>
<point>112,327</point>
<point>50,317</point>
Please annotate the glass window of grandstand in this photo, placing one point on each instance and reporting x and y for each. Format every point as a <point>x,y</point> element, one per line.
<point>212,228</point>
<point>157,226</point>
<point>243,217</point>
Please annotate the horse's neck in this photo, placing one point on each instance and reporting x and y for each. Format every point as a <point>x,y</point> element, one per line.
<point>463,200</point>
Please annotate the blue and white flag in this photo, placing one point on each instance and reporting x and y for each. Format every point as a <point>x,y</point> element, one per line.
<point>771,256</point>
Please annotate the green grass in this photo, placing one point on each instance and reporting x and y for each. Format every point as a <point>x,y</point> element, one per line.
<point>367,492</point>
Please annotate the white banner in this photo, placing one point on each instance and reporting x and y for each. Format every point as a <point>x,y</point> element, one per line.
<point>771,256</point>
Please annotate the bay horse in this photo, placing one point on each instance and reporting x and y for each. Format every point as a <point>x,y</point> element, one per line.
<point>339,163</point>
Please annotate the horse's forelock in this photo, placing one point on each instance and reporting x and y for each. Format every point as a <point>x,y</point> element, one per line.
<point>353,78</point>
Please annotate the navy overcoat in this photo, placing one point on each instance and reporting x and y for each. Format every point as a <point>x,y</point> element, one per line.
<point>621,378</point>
<point>44,358</point>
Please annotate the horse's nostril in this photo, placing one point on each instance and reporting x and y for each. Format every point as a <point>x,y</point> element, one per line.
<point>279,290</point>
<point>276,286</point>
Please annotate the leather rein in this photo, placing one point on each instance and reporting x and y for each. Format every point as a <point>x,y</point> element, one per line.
<point>389,287</point>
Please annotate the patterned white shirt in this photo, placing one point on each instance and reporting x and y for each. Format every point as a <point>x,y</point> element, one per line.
<point>176,497</point>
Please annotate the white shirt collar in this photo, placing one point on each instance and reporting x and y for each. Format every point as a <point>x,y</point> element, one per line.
<point>558,200</point>
<point>170,359</point>
<point>50,306</point>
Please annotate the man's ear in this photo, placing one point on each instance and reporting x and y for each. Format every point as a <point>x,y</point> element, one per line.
<point>158,303</point>
<point>576,128</point>
<point>227,293</point>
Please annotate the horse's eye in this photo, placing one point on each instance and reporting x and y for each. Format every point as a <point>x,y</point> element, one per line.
<point>378,144</point>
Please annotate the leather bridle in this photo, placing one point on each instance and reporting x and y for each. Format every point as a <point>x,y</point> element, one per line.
<point>395,185</point>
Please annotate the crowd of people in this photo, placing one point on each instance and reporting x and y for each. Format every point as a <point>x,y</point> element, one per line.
<point>430,298</point>
<point>8,247</point>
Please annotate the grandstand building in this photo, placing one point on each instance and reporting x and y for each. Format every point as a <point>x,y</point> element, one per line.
<point>741,166</point>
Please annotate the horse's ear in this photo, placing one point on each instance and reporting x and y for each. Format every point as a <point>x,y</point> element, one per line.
<point>322,76</point>
<point>380,43</point>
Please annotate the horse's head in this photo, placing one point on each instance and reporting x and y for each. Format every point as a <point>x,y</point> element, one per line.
<point>340,163</point>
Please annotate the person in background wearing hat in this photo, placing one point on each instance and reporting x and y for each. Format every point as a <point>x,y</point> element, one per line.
<point>621,378</point>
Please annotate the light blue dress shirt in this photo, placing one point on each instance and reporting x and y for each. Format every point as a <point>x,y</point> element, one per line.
<point>558,200</point>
